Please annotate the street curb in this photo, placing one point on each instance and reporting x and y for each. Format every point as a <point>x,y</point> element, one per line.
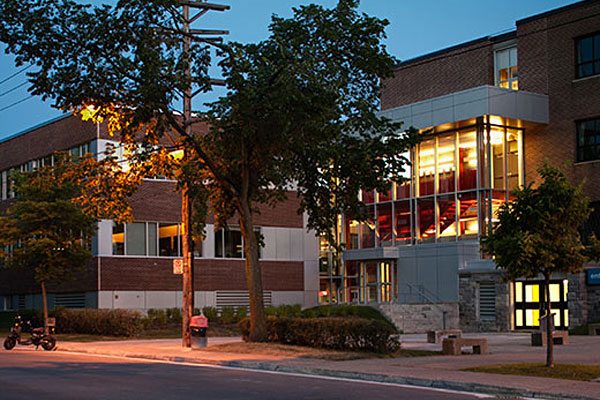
<point>471,387</point>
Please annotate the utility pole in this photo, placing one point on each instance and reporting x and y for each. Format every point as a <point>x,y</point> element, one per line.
<point>187,246</point>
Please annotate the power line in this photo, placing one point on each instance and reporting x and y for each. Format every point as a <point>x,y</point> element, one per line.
<point>16,102</point>
<point>16,74</point>
<point>13,89</point>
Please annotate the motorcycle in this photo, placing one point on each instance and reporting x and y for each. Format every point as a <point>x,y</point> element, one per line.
<point>38,336</point>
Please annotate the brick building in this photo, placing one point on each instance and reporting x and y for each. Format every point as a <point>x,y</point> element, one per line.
<point>133,263</point>
<point>490,111</point>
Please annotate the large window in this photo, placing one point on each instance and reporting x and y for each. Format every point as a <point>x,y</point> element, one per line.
<point>506,68</point>
<point>229,243</point>
<point>149,239</point>
<point>459,179</point>
<point>588,140</point>
<point>587,60</point>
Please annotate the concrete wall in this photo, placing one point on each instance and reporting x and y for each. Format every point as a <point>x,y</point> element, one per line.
<point>429,272</point>
<point>419,318</point>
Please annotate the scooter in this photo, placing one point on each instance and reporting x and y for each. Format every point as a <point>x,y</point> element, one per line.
<point>38,337</point>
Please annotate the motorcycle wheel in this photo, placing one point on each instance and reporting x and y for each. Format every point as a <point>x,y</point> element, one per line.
<point>9,343</point>
<point>48,343</point>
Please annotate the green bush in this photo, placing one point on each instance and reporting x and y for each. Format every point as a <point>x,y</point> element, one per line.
<point>156,318</point>
<point>227,315</point>
<point>174,315</point>
<point>345,310</point>
<point>211,313</point>
<point>100,322</point>
<point>270,310</point>
<point>350,334</point>
<point>240,313</point>
<point>289,311</point>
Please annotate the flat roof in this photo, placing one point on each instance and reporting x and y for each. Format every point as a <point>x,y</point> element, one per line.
<point>496,37</point>
<point>33,128</point>
<point>556,11</point>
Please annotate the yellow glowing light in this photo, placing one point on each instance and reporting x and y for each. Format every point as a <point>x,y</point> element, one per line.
<point>472,162</point>
<point>494,120</point>
<point>496,137</point>
<point>177,154</point>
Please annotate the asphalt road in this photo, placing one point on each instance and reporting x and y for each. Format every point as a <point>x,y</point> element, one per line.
<point>27,374</point>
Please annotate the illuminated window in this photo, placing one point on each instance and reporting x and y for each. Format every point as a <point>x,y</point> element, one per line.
<point>587,61</point>
<point>118,239</point>
<point>506,68</point>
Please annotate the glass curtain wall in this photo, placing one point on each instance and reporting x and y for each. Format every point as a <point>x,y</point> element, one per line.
<point>452,190</point>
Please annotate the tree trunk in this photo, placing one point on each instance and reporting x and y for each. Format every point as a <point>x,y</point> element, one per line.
<point>549,320</point>
<point>258,323</point>
<point>45,302</point>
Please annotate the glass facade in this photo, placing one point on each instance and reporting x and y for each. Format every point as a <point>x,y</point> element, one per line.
<point>452,190</point>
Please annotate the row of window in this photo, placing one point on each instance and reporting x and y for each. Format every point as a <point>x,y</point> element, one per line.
<point>156,239</point>
<point>6,186</point>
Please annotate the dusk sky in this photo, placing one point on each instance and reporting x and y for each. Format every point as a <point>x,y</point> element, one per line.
<point>416,28</point>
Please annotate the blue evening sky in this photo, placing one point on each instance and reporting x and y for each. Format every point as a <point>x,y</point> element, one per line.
<point>416,27</point>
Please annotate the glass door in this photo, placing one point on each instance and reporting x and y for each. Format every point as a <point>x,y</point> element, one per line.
<point>529,304</point>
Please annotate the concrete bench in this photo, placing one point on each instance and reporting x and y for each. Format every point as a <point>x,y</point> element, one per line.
<point>558,337</point>
<point>453,346</point>
<point>436,336</point>
<point>594,329</point>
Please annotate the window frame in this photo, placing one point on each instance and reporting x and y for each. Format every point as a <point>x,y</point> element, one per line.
<point>580,149</point>
<point>257,229</point>
<point>595,36</point>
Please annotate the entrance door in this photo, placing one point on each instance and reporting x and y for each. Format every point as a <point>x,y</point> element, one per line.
<point>529,304</point>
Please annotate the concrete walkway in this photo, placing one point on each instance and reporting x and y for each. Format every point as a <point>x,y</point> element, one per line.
<point>433,371</point>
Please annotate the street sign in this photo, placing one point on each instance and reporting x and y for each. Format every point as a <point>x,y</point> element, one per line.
<point>178,266</point>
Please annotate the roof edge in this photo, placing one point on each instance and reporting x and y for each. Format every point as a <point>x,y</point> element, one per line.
<point>555,11</point>
<point>35,127</point>
<point>498,37</point>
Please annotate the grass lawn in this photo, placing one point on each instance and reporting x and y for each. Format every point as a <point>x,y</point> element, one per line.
<point>575,372</point>
<point>283,350</point>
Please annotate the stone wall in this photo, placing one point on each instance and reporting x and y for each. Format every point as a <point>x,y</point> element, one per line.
<point>470,320</point>
<point>420,318</point>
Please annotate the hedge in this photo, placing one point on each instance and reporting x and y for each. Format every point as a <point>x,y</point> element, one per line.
<point>100,322</point>
<point>350,334</point>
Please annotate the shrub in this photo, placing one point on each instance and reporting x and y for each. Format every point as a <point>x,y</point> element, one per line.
<point>270,310</point>
<point>289,311</point>
<point>346,310</point>
<point>351,334</point>
<point>227,315</point>
<point>174,315</point>
<point>211,313</point>
<point>100,322</point>
<point>240,313</point>
<point>156,318</point>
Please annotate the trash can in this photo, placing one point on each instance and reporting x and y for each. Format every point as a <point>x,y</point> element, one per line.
<point>198,327</point>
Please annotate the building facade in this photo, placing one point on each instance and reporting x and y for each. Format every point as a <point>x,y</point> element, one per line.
<point>490,111</point>
<point>133,263</point>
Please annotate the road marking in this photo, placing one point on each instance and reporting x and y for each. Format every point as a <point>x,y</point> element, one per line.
<point>330,378</point>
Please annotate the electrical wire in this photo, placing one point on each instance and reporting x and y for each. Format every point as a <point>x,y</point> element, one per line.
<point>15,103</point>
<point>16,74</point>
<point>13,89</point>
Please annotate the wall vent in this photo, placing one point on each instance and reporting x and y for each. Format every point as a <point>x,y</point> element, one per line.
<point>239,298</point>
<point>69,300</point>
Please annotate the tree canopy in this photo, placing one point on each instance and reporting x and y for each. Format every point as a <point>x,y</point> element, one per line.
<point>300,110</point>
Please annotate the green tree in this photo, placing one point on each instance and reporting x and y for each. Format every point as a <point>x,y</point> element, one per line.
<point>300,111</point>
<point>537,234</point>
<point>48,228</point>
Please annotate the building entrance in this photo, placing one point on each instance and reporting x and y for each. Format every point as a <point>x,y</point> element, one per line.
<point>529,303</point>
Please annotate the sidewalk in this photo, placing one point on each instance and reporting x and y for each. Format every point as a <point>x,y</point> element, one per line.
<point>435,371</point>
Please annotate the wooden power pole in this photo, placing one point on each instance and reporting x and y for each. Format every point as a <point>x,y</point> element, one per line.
<point>191,35</point>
